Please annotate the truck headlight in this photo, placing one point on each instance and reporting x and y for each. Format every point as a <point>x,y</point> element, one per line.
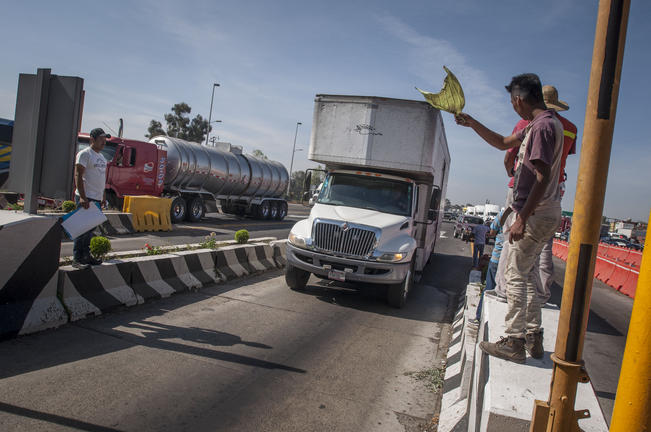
<point>296,240</point>
<point>391,257</point>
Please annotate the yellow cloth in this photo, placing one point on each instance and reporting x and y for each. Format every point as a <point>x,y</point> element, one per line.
<point>450,98</point>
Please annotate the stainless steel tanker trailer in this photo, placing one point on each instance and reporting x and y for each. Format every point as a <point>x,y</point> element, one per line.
<point>198,177</point>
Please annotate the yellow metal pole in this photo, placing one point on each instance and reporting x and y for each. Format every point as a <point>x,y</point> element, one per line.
<point>633,402</point>
<point>558,414</point>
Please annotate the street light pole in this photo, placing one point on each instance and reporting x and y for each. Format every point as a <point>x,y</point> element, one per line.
<point>291,165</point>
<point>210,114</point>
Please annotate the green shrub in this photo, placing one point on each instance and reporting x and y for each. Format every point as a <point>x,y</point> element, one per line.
<point>68,206</point>
<point>100,246</point>
<point>242,236</point>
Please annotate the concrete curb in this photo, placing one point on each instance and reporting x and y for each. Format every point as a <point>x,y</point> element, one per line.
<point>484,393</point>
<point>460,361</point>
<point>132,281</point>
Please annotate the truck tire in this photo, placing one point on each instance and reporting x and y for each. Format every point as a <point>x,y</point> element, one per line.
<point>296,278</point>
<point>282,210</point>
<point>194,211</point>
<point>274,210</point>
<point>397,293</point>
<point>264,209</point>
<point>178,210</point>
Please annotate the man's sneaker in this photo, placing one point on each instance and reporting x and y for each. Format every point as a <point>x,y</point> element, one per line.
<point>93,261</point>
<point>79,265</point>
<point>495,295</point>
<point>534,344</point>
<point>507,348</point>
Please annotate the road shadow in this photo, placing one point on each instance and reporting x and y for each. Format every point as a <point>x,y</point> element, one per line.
<point>596,324</point>
<point>126,327</point>
<point>53,418</point>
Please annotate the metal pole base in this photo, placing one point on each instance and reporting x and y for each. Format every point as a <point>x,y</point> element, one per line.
<point>552,417</point>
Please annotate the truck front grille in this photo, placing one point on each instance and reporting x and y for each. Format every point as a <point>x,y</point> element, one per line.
<point>354,241</point>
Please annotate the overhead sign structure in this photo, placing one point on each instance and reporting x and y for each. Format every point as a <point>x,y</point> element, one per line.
<point>47,121</point>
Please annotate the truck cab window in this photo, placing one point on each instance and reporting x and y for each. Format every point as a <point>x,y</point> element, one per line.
<point>132,159</point>
<point>373,193</point>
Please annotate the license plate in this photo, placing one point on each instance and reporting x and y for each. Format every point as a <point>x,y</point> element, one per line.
<point>337,275</point>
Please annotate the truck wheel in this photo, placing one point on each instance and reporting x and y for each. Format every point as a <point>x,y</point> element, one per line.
<point>282,210</point>
<point>195,210</point>
<point>264,209</point>
<point>397,293</point>
<point>296,278</point>
<point>273,212</point>
<point>178,210</point>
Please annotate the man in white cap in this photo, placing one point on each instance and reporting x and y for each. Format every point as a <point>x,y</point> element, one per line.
<point>90,179</point>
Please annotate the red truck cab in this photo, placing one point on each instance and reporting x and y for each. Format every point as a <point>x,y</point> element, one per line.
<point>134,168</point>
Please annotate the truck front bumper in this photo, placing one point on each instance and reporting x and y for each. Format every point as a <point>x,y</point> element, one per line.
<point>355,270</point>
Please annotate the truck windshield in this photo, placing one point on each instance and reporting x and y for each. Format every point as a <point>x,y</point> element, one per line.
<point>108,151</point>
<point>373,193</point>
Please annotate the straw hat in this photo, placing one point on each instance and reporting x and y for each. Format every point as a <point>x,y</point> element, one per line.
<point>550,96</point>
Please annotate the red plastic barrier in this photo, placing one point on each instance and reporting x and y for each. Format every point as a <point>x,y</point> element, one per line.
<point>565,251</point>
<point>635,258</point>
<point>603,249</point>
<point>619,277</point>
<point>630,285</point>
<point>603,269</point>
<point>618,253</point>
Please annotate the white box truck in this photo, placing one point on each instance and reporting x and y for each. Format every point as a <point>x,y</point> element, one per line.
<point>378,213</point>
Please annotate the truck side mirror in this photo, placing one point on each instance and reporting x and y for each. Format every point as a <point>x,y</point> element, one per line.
<point>308,181</point>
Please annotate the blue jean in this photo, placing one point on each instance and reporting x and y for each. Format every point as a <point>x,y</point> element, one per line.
<point>477,252</point>
<point>81,245</point>
<point>490,285</point>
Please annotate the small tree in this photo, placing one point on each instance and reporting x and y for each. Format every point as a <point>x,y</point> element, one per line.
<point>242,236</point>
<point>258,153</point>
<point>100,246</point>
<point>180,125</point>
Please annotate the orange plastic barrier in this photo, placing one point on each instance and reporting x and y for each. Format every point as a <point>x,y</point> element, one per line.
<point>630,285</point>
<point>620,276</point>
<point>635,258</point>
<point>603,269</point>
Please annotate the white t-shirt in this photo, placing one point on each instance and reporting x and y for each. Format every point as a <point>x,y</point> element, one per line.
<point>94,173</point>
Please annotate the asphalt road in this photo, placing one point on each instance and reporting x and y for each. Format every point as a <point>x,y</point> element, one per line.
<point>223,225</point>
<point>605,339</point>
<point>246,356</point>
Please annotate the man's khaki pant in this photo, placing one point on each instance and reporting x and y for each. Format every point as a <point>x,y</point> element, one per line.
<point>524,315</point>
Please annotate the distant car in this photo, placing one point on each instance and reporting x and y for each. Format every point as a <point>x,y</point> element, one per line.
<point>464,226</point>
<point>449,216</point>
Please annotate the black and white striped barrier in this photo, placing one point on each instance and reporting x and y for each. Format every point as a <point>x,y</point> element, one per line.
<point>116,224</point>
<point>29,256</point>
<point>133,281</point>
<point>279,252</point>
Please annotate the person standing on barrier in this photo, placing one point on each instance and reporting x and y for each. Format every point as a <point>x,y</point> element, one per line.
<point>90,182</point>
<point>536,212</point>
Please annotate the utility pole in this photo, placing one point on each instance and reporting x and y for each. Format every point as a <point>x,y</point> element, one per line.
<point>210,114</point>
<point>291,166</point>
<point>558,414</point>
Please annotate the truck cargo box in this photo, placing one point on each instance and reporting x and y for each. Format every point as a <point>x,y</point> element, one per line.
<point>376,133</point>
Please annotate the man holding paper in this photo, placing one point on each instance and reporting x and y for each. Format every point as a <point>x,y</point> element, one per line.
<point>90,180</point>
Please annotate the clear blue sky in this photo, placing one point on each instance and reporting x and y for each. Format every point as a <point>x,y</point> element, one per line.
<point>138,58</point>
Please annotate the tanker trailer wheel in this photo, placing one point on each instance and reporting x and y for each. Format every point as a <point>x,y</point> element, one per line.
<point>264,209</point>
<point>397,293</point>
<point>178,210</point>
<point>296,278</point>
<point>195,210</point>
<point>273,213</point>
<point>282,210</point>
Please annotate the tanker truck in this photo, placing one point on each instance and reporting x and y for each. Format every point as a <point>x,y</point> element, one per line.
<point>198,178</point>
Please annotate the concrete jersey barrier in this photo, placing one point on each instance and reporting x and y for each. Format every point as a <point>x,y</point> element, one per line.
<point>29,253</point>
